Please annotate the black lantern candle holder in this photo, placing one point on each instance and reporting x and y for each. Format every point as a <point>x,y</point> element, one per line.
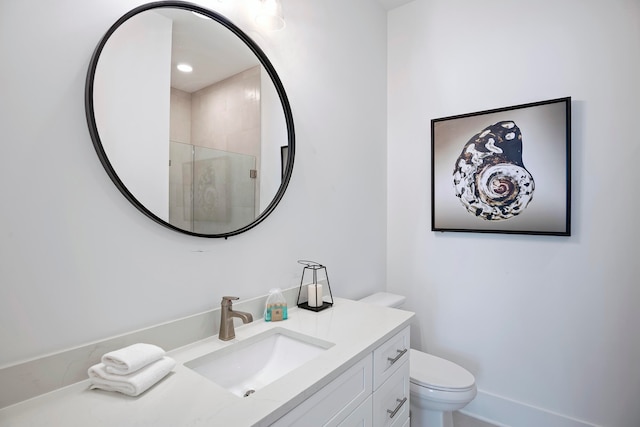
<point>316,298</point>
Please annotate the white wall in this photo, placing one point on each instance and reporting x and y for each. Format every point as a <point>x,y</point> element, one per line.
<point>79,263</point>
<point>544,323</point>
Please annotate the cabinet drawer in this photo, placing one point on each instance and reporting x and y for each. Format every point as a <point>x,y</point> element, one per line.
<point>335,401</point>
<point>389,356</point>
<point>391,400</point>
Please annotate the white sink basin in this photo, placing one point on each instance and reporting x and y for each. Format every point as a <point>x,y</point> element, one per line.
<point>247,366</point>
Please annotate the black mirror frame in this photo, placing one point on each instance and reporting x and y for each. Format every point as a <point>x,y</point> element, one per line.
<point>97,143</point>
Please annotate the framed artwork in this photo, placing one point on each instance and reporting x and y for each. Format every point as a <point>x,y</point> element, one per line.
<point>506,170</point>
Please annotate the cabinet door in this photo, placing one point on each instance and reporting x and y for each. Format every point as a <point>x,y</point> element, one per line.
<point>335,401</point>
<point>389,356</point>
<point>362,416</point>
<point>391,400</point>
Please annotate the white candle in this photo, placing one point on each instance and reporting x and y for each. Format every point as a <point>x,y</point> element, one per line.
<point>315,295</point>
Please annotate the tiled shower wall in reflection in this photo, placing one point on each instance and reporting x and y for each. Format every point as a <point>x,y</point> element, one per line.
<point>222,123</point>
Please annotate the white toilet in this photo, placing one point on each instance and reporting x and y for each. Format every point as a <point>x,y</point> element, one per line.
<point>438,386</point>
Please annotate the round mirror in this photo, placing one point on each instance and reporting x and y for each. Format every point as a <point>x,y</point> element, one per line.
<point>190,119</point>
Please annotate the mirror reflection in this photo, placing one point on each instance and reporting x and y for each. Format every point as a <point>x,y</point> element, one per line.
<point>190,121</point>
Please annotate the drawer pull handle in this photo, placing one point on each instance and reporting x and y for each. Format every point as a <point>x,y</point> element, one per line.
<point>395,359</point>
<point>395,411</point>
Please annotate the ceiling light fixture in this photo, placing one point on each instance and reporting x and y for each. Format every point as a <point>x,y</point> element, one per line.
<point>270,15</point>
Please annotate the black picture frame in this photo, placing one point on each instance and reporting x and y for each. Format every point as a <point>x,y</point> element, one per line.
<point>506,170</point>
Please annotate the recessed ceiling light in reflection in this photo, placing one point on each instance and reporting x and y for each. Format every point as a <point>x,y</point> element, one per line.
<point>185,68</point>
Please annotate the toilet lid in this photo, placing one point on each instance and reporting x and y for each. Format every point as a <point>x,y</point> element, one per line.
<point>430,371</point>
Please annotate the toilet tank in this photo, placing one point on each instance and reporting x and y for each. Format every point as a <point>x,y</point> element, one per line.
<point>385,299</point>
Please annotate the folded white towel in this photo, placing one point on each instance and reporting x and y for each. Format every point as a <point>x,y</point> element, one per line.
<point>130,359</point>
<point>131,384</point>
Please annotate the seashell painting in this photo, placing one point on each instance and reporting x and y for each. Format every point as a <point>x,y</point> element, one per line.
<point>489,176</point>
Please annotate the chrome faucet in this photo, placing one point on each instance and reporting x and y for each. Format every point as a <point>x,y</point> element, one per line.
<point>227,331</point>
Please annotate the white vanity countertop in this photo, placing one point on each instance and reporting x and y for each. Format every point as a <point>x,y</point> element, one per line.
<point>185,398</point>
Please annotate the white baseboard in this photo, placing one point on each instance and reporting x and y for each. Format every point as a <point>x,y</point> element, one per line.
<point>505,412</point>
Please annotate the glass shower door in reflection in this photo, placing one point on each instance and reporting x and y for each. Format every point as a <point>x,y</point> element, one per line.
<point>211,191</point>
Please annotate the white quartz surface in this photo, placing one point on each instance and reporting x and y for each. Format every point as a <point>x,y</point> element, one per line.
<point>184,398</point>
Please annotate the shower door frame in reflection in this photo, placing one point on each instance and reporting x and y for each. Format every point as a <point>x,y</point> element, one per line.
<point>211,190</point>
<point>466,145</point>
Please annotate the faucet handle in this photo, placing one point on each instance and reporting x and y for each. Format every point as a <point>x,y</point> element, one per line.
<point>228,300</point>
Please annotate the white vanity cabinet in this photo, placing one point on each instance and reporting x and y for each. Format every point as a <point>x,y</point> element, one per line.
<point>391,381</point>
<point>391,400</point>
<point>336,401</point>
<point>372,393</point>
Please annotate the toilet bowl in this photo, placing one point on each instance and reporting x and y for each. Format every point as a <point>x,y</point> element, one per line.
<point>437,386</point>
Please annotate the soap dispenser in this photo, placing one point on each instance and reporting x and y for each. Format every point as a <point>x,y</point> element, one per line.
<point>276,306</point>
